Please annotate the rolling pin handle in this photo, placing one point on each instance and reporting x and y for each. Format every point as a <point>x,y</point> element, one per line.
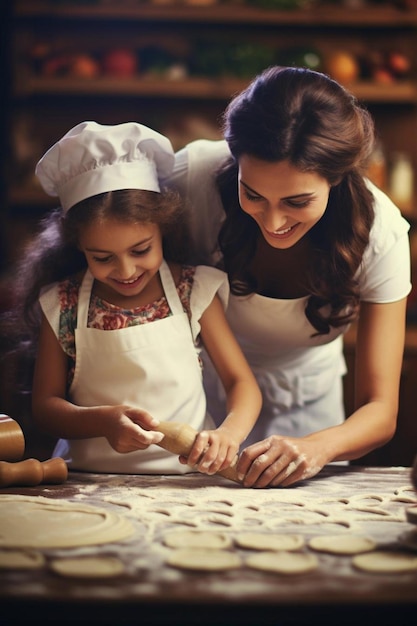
<point>55,471</point>
<point>26,473</point>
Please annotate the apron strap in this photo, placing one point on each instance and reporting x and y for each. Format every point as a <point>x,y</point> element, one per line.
<point>170,289</point>
<point>84,295</point>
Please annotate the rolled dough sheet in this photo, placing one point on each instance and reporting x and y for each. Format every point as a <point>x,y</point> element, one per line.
<point>21,559</point>
<point>88,567</point>
<point>197,539</point>
<point>269,541</point>
<point>283,562</point>
<point>342,544</point>
<point>385,562</point>
<point>40,522</point>
<point>204,559</point>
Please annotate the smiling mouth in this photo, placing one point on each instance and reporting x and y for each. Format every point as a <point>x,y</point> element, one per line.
<point>128,283</point>
<point>282,233</point>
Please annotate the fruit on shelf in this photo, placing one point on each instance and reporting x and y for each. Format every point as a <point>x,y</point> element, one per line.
<point>84,66</point>
<point>300,56</point>
<point>342,66</point>
<point>120,62</point>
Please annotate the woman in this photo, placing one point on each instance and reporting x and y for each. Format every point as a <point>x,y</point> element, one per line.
<point>309,245</point>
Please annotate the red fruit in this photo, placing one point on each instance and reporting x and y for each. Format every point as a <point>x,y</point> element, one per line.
<point>120,62</point>
<point>399,63</point>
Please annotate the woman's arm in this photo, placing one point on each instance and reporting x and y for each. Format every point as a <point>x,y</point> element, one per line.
<point>216,449</point>
<point>379,352</point>
<point>53,414</point>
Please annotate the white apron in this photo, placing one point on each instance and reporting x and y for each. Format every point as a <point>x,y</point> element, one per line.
<point>153,366</point>
<point>300,376</point>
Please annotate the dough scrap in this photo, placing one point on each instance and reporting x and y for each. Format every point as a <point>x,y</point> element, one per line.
<point>385,562</point>
<point>88,567</point>
<point>204,559</point>
<point>342,544</point>
<point>283,562</point>
<point>197,539</point>
<point>40,522</point>
<point>21,559</point>
<point>269,541</point>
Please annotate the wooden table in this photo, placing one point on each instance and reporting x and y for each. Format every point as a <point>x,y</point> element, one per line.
<point>359,500</point>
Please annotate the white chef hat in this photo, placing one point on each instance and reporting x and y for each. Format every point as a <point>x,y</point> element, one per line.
<point>92,159</point>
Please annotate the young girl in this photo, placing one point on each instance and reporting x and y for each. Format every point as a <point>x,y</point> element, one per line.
<point>123,322</point>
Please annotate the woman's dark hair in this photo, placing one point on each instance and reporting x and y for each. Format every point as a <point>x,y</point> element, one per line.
<point>53,254</point>
<point>306,118</point>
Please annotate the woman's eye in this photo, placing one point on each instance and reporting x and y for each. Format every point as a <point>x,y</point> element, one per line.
<point>101,259</point>
<point>251,197</point>
<point>141,252</point>
<point>298,205</point>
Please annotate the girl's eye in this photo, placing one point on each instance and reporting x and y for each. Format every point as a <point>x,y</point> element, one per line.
<point>299,205</point>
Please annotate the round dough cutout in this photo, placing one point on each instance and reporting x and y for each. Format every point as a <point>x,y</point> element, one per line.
<point>204,559</point>
<point>21,559</point>
<point>40,522</point>
<point>283,562</point>
<point>385,562</point>
<point>269,542</point>
<point>341,544</point>
<point>197,539</point>
<point>88,567</point>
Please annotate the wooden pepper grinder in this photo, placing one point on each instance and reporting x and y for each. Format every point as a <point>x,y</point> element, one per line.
<point>179,439</point>
<point>29,472</point>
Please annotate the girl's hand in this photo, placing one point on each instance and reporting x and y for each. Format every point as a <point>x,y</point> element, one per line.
<point>129,429</point>
<point>212,451</point>
<point>280,461</point>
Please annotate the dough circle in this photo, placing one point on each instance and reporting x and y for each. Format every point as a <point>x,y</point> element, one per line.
<point>269,542</point>
<point>283,562</point>
<point>385,562</point>
<point>204,559</point>
<point>341,544</point>
<point>197,539</point>
<point>21,559</point>
<point>88,567</point>
<point>40,522</point>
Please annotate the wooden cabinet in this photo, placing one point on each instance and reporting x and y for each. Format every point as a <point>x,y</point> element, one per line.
<point>190,60</point>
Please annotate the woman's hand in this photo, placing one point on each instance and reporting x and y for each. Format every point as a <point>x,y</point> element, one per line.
<point>212,451</point>
<point>128,429</point>
<point>279,461</point>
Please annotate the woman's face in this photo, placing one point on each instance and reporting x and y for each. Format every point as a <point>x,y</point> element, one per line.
<point>123,256</point>
<point>283,201</point>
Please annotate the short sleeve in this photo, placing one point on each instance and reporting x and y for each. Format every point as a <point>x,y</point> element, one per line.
<point>49,301</point>
<point>208,281</point>
<point>385,274</point>
<point>194,176</point>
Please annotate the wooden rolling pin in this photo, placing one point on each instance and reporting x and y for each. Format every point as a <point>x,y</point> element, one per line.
<point>179,439</point>
<point>32,472</point>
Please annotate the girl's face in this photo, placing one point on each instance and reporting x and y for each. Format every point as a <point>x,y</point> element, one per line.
<point>283,201</point>
<point>123,256</point>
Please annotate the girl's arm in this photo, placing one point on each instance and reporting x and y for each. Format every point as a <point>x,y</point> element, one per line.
<point>216,449</point>
<point>53,414</point>
<point>379,353</point>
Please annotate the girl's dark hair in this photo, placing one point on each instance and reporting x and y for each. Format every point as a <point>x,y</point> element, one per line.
<point>309,120</point>
<point>53,254</point>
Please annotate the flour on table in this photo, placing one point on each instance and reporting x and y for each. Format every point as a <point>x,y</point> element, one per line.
<point>88,567</point>
<point>204,559</point>
<point>40,522</point>
<point>385,562</point>
<point>197,539</point>
<point>269,541</point>
<point>21,559</point>
<point>283,562</point>
<point>341,544</point>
